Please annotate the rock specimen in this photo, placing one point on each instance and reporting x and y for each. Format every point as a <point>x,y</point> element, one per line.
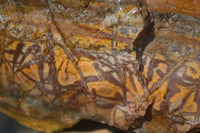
<point>131,64</point>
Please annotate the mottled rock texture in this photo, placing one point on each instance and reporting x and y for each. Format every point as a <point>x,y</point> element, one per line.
<point>131,64</point>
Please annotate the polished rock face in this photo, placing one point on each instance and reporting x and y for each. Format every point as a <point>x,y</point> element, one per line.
<point>124,63</point>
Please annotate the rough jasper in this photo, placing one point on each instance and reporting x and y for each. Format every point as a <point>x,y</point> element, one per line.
<point>118,62</point>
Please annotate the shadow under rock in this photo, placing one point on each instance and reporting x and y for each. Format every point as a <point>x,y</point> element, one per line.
<point>9,125</point>
<point>90,126</point>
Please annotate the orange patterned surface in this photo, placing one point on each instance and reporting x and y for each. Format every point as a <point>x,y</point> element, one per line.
<point>61,62</point>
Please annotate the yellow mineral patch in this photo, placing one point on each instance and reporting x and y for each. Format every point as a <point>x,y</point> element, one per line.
<point>162,67</point>
<point>28,58</point>
<point>130,8</point>
<point>190,104</point>
<point>160,57</point>
<point>9,56</point>
<point>103,44</point>
<point>177,99</point>
<point>60,57</point>
<point>95,27</point>
<point>139,88</point>
<point>122,46</point>
<point>193,70</point>
<point>3,78</point>
<point>104,89</point>
<point>26,46</point>
<point>80,39</point>
<point>68,74</point>
<point>158,95</point>
<point>32,72</point>
<point>155,79</point>
<point>92,42</point>
<point>146,66</point>
<point>13,45</point>
<point>129,86</point>
<point>90,37</point>
<point>59,62</point>
<point>133,54</point>
<point>24,82</point>
<point>86,67</point>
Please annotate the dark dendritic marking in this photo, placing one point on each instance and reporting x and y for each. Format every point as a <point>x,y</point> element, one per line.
<point>145,36</point>
<point>143,39</point>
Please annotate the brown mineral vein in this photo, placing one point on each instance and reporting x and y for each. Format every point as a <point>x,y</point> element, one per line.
<point>173,69</point>
<point>67,51</point>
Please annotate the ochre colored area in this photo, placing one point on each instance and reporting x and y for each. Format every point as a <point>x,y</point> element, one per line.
<point>185,7</point>
<point>105,60</point>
